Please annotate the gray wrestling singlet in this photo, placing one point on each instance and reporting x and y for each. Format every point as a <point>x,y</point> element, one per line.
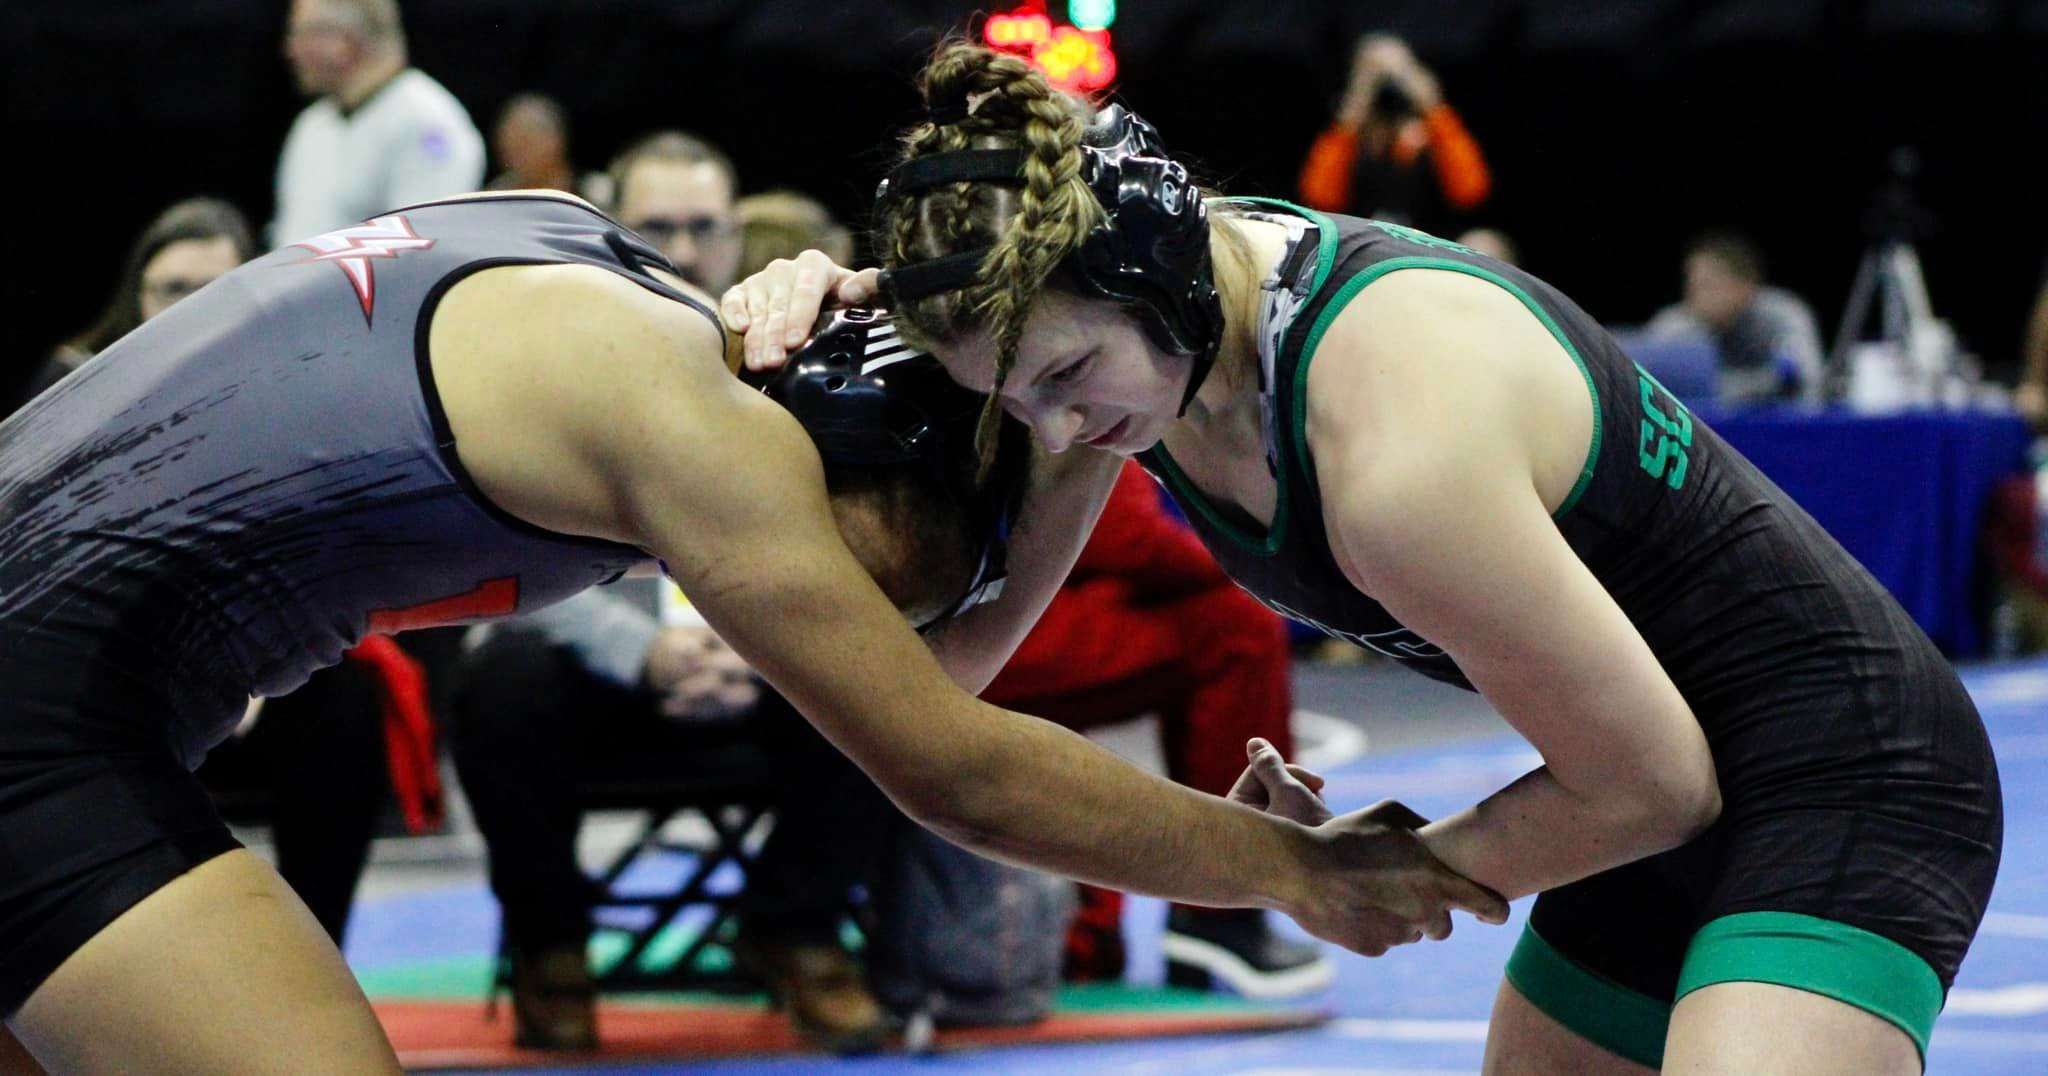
<point>235,493</point>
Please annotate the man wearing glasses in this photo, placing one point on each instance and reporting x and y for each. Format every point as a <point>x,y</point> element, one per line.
<point>678,191</point>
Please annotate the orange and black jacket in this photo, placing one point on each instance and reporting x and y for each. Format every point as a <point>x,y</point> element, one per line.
<point>1432,173</point>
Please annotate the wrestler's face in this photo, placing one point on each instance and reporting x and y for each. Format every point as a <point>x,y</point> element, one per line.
<point>181,268</point>
<point>1086,373</point>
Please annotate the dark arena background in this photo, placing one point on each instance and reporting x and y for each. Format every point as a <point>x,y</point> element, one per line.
<point>1615,131</point>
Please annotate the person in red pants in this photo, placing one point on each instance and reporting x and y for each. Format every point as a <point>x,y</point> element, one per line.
<point>1149,624</point>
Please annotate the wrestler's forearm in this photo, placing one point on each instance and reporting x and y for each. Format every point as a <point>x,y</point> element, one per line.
<point>753,543</point>
<point>1032,793</point>
<point>1535,835</point>
<point>1002,783</point>
<point>1059,510</point>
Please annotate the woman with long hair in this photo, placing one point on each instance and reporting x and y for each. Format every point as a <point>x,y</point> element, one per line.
<point>184,249</point>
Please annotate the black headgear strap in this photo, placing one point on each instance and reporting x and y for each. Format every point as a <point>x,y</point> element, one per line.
<point>912,178</point>
<point>1180,322</point>
<point>952,112</point>
<point>960,166</point>
<point>950,273</point>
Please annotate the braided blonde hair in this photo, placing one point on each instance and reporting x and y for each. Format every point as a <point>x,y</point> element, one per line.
<point>1029,229</point>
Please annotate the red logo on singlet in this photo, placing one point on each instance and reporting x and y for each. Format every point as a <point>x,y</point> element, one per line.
<point>490,598</point>
<point>352,248</point>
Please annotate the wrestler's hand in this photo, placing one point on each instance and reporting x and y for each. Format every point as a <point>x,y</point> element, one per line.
<point>1279,787</point>
<point>775,308</point>
<point>1376,886</point>
<point>1295,792</point>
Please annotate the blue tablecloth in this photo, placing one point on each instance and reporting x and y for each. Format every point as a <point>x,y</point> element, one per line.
<point>1904,493</point>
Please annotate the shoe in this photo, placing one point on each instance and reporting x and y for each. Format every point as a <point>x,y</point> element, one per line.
<point>823,988</point>
<point>1239,950</point>
<point>554,1002</point>
<point>1095,939</point>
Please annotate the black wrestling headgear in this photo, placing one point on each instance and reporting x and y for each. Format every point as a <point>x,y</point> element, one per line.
<point>869,400</point>
<point>1152,253</point>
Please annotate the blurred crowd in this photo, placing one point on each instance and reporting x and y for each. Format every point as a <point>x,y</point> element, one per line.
<point>625,681</point>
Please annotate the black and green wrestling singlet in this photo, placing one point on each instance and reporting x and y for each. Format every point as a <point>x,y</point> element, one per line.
<point>1656,496</point>
<point>1861,821</point>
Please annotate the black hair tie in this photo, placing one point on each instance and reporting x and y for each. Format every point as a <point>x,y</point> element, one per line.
<point>951,112</point>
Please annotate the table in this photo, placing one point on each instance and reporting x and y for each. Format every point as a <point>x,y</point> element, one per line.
<point>1905,493</point>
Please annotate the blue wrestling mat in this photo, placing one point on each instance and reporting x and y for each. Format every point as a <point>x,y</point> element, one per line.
<point>1421,1011</point>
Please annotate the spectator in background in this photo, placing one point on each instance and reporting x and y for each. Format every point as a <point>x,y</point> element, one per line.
<point>2014,519</point>
<point>1766,338</point>
<point>1396,150</point>
<point>1147,623</point>
<point>531,141</point>
<point>678,192</point>
<point>2032,395</point>
<point>380,135</point>
<point>599,685</point>
<point>181,251</point>
<point>784,224</point>
<point>1493,243</point>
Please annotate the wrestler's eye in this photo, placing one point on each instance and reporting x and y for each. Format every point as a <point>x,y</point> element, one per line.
<point>1073,370</point>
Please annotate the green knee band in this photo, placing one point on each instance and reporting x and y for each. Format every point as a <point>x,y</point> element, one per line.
<point>1595,1008</point>
<point>1820,956</point>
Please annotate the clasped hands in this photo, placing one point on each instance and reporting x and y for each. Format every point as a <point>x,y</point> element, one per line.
<point>1373,884</point>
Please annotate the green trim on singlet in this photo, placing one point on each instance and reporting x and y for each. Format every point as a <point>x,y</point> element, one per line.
<point>1188,492</point>
<point>1358,283</point>
<point>1804,952</point>
<point>1820,956</point>
<point>1184,490</point>
<point>1589,1005</point>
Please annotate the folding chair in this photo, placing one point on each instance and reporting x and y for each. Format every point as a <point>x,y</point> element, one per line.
<point>729,788</point>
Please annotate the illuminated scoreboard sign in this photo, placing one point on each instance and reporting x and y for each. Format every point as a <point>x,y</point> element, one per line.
<point>1074,56</point>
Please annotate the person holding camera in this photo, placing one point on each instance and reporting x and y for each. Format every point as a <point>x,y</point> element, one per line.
<point>1395,150</point>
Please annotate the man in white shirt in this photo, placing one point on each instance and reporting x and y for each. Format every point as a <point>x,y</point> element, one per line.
<point>380,135</point>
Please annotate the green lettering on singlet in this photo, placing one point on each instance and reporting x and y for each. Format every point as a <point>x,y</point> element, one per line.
<point>1420,238</point>
<point>1669,435</point>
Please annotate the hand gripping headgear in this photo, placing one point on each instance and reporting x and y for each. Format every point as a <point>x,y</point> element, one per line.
<point>1151,253</point>
<point>869,400</point>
